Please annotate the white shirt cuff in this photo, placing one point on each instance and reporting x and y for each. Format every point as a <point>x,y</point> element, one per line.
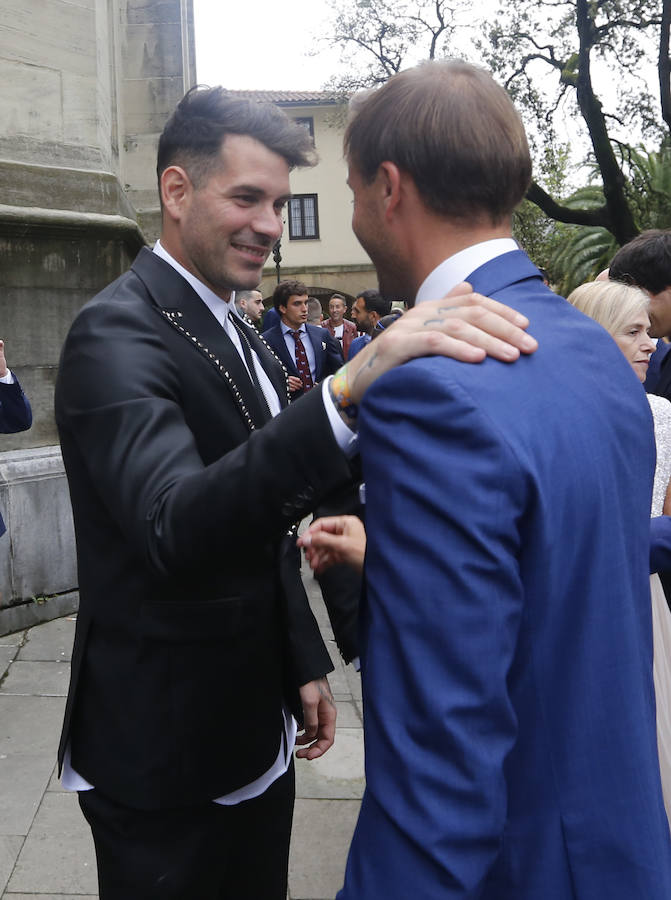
<point>9,379</point>
<point>347,440</point>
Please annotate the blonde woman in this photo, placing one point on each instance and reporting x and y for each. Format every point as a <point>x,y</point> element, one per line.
<point>623,312</point>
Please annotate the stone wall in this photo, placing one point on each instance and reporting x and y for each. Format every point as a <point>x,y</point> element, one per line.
<point>89,85</point>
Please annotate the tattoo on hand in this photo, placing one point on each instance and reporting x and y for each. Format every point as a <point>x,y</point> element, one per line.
<point>443,309</point>
<point>325,692</point>
<point>369,365</point>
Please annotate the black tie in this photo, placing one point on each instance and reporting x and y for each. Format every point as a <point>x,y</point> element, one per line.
<point>249,359</point>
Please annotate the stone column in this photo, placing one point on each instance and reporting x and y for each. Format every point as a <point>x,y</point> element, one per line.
<point>89,86</point>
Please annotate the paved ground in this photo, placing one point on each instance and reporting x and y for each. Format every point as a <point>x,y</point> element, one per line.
<point>46,852</point>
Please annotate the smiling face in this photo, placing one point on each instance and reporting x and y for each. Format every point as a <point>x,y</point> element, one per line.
<point>336,310</point>
<point>634,341</point>
<point>223,230</point>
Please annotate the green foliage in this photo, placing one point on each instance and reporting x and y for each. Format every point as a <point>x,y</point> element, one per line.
<point>583,252</point>
<point>539,235</point>
<point>552,57</point>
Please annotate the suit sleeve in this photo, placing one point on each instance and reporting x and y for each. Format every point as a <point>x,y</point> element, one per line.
<point>15,412</point>
<point>439,626</point>
<point>124,423</point>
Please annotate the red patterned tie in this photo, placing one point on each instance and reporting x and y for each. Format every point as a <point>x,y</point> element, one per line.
<point>302,363</point>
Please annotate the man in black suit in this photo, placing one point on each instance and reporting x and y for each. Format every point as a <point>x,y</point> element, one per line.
<point>15,412</point>
<point>308,352</point>
<point>192,656</point>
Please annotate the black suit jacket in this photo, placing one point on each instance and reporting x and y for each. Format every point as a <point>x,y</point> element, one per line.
<point>186,644</point>
<point>328,355</point>
<point>15,415</point>
<point>663,386</point>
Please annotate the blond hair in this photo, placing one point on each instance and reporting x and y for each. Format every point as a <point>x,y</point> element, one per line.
<point>610,303</point>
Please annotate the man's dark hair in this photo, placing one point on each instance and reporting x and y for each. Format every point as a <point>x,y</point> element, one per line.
<point>385,322</point>
<point>338,297</point>
<point>375,302</point>
<point>454,130</point>
<point>193,135</point>
<point>286,289</point>
<point>645,261</point>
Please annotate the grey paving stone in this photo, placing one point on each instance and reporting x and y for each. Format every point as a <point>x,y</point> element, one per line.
<point>51,641</point>
<point>7,655</point>
<point>10,846</point>
<point>12,640</point>
<point>13,896</point>
<point>337,775</point>
<point>23,780</point>
<point>37,679</point>
<point>54,783</point>
<point>322,834</point>
<point>30,724</point>
<point>58,856</point>
<point>337,678</point>
<point>353,679</point>
<point>348,715</point>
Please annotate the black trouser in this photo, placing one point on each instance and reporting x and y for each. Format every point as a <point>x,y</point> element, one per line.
<point>210,852</point>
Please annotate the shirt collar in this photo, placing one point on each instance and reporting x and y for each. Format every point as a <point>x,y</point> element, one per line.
<point>456,268</point>
<point>286,329</point>
<point>218,307</point>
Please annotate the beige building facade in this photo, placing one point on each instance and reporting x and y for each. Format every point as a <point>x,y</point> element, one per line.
<point>318,246</point>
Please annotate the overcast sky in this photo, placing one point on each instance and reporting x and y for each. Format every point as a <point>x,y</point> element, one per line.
<point>259,44</point>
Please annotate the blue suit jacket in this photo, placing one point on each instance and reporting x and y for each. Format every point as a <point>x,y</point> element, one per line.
<point>506,630</point>
<point>15,415</point>
<point>328,355</point>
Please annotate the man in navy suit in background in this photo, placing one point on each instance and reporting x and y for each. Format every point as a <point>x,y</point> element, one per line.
<point>308,352</point>
<point>15,412</point>
<point>506,650</point>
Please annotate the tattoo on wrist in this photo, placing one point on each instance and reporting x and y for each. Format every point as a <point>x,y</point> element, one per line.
<point>325,692</point>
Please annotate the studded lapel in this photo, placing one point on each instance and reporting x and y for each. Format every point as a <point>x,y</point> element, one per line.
<point>271,362</point>
<point>183,309</point>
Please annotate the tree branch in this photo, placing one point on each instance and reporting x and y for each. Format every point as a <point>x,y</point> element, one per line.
<point>664,63</point>
<point>550,207</point>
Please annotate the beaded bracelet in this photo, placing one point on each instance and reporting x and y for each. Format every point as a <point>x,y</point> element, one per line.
<point>342,397</point>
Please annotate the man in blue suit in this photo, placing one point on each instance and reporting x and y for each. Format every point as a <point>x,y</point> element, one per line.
<point>308,352</point>
<point>15,412</point>
<point>506,628</point>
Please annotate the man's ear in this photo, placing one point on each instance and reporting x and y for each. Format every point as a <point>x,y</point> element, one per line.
<point>390,181</point>
<point>176,188</point>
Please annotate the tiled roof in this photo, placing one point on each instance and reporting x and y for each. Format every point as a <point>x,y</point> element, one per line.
<point>290,98</point>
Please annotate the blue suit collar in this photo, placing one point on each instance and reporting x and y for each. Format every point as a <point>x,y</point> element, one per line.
<point>503,271</point>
